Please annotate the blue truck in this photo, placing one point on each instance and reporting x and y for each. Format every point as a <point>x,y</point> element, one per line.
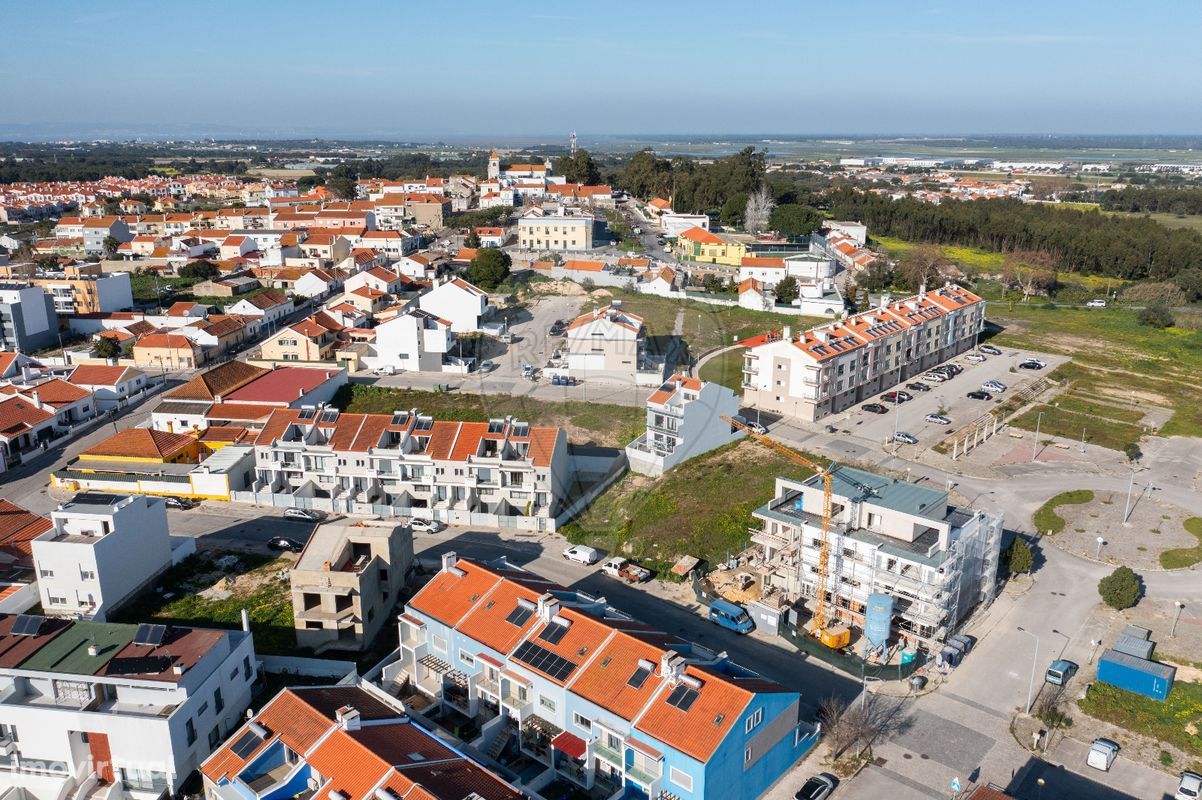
<point>1138,675</point>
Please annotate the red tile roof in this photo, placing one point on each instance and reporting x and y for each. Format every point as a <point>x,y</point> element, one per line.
<point>19,527</point>
<point>281,385</point>
<point>100,375</point>
<point>18,415</point>
<point>140,443</point>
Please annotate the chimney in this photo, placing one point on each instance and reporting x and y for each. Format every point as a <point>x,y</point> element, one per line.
<point>348,718</point>
<point>37,399</point>
<point>786,332</point>
<point>671,665</point>
<point>179,669</point>
<point>448,561</point>
<point>93,650</point>
<point>548,606</point>
<point>300,393</point>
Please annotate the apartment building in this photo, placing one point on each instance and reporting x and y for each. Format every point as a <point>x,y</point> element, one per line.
<point>577,691</point>
<point>833,366</point>
<point>936,560</point>
<point>458,302</point>
<point>133,707</point>
<point>699,244</point>
<point>502,472</point>
<point>684,419</point>
<point>608,341</point>
<point>28,320</point>
<point>562,230</point>
<point>350,742</point>
<point>347,580</point>
<point>102,550</point>
<point>415,340</point>
<point>76,289</point>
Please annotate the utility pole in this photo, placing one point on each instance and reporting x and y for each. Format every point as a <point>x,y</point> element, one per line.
<point>1173,631</point>
<point>1035,447</point>
<point>1034,663</point>
<point>1127,507</point>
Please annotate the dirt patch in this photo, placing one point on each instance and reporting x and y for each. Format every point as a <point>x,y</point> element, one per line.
<point>1155,526</point>
<point>1123,396</point>
<point>564,288</point>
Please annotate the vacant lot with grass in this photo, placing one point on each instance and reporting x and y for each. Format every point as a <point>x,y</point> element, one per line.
<point>726,369</point>
<point>1175,721</point>
<point>1185,556</point>
<point>209,590</point>
<point>1117,363</point>
<point>1191,221</point>
<point>586,422</point>
<point>1068,416</point>
<point>1048,521</point>
<point>704,326</point>
<point>970,259</point>
<point>702,508</point>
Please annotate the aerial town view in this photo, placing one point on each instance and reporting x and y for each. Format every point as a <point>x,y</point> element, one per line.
<point>608,401</point>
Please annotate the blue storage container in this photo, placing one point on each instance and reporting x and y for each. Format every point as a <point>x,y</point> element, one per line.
<point>1149,678</point>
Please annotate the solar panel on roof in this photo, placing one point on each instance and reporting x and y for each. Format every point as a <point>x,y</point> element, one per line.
<point>148,634</point>
<point>423,424</point>
<point>553,633</point>
<point>400,417</point>
<point>246,744</point>
<point>540,658</point>
<point>329,415</point>
<point>519,616</point>
<point>27,625</point>
<point>145,665</point>
<point>683,697</point>
<point>308,412</point>
<point>639,677</point>
<point>496,426</point>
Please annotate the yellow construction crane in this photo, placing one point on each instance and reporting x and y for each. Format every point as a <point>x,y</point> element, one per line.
<point>835,636</point>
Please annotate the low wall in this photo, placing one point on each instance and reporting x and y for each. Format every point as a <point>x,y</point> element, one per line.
<point>337,671</point>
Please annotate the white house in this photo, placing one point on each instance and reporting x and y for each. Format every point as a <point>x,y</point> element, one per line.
<point>660,282</point>
<point>458,302</point>
<point>103,549</point>
<point>316,283</point>
<point>606,341</point>
<point>673,225</point>
<point>684,419</point>
<point>110,386</point>
<point>271,305</point>
<point>418,266</point>
<point>126,712</point>
<point>414,340</point>
<point>378,278</point>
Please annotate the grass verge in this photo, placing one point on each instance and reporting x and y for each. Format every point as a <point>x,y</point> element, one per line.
<point>1185,556</point>
<point>702,508</point>
<point>726,369</point>
<point>586,422</point>
<point>1048,521</point>
<point>1165,722</point>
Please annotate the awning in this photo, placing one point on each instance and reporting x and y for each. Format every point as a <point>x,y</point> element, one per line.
<point>537,723</point>
<point>571,744</point>
<point>435,664</point>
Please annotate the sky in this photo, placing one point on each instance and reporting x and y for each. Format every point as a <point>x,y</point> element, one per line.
<point>405,70</point>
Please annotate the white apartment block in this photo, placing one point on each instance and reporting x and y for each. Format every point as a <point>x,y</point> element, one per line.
<point>102,550</point>
<point>559,231</point>
<point>832,367</point>
<point>415,340</point>
<point>110,711</point>
<point>463,305</point>
<point>684,419</point>
<point>936,560</point>
<point>498,473</point>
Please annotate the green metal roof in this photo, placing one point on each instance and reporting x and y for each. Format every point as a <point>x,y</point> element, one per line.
<point>890,493</point>
<point>68,652</point>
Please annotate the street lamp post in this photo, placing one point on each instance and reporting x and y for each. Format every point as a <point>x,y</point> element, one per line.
<point>1035,447</point>
<point>1034,663</point>
<point>1098,555</point>
<point>1176,616</point>
<point>1127,506</point>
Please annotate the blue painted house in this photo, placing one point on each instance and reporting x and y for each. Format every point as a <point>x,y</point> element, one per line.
<point>566,691</point>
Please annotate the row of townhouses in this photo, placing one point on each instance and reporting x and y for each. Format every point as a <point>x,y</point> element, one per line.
<point>565,686</point>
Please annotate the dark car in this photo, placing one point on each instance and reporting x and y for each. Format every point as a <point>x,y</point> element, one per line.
<point>1032,363</point>
<point>284,544</point>
<point>179,503</point>
<point>979,396</point>
<point>918,387</point>
<point>874,408</point>
<point>558,327</point>
<point>893,397</point>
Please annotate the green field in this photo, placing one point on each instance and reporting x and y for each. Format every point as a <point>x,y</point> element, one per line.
<point>1116,362</point>
<point>704,326</point>
<point>726,369</point>
<point>1185,556</point>
<point>1191,221</point>
<point>1165,722</point>
<point>586,422</point>
<point>970,259</point>
<point>702,508</point>
<point>1048,521</point>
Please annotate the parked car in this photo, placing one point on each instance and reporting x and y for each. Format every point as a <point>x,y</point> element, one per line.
<point>918,387</point>
<point>301,515</point>
<point>487,366</point>
<point>818,787</point>
<point>975,358</point>
<point>558,327</point>
<point>179,503</point>
<point>896,397</point>
<point>874,408</point>
<point>937,419</point>
<point>730,616</point>
<point>582,554</point>
<point>1101,754</point>
<point>994,386</point>
<point>934,377</point>
<point>977,395</point>
<point>1031,363</point>
<point>989,349</point>
<point>284,544</point>
<point>952,369</point>
<point>1060,672</point>
<point>905,397</point>
<point>385,370</point>
<point>1096,304</point>
<point>1190,786</point>
<point>905,438</point>
<point>425,525</point>
<point>625,570</point>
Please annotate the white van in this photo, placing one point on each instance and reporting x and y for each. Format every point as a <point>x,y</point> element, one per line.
<point>1101,754</point>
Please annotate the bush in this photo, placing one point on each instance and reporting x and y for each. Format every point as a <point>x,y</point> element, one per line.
<point>1156,316</point>
<point>1019,558</point>
<point>1151,294</point>
<point>1132,451</point>
<point>200,270</point>
<point>488,269</point>
<point>1120,589</point>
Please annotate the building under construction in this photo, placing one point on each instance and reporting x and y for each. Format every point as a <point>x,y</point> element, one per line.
<point>936,560</point>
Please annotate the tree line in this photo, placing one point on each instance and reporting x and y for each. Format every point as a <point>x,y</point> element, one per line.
<point>93,168</point>
<point>1152,200</point>
<point>1086,242</point>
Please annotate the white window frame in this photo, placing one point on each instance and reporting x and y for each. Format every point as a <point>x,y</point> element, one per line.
<point>747,756</point>
<point>581,721</point>
<point>680,778</point>
<point>546,702</point>
<point>467,658</point>
<point>753,720</point>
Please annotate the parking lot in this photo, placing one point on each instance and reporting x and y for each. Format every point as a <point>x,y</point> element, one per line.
<point>946,398</point>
